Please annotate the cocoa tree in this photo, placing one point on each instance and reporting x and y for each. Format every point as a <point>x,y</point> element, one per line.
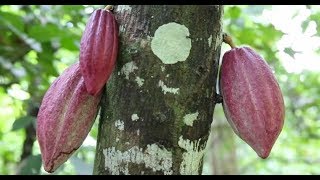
<point>158,104</point>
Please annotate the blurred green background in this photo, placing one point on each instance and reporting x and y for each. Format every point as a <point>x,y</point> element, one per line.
<point>38,42</point>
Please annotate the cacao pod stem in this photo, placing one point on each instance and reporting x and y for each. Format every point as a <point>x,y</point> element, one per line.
<point>227,39</point>
<point>109,8</point>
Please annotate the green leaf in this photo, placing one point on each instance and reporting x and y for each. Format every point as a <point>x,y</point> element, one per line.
<point>315,17</point>
<point>290,52</point>
<point>304,25</point>
<point>69,43</point>
<point>45,33</point>
<point>32,165</point>
<point>46,60</point>
<point>11,19</point>
<point>235,12</point>
<point>22,122</point>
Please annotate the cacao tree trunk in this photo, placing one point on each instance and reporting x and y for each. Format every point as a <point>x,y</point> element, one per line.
<point>158,105</point>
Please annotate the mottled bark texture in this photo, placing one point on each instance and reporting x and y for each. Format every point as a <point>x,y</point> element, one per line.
<point>158,105</point>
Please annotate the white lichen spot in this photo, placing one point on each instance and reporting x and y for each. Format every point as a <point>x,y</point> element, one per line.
<point>163,68</point>
<point>139,81</point>
<point>210,40</point>
<point>167,75</point>
<point>117,139</point>
<point>153,157</point>
<point>122,28</point>
<point>190,118</point>
<point>166,89</point>
<point>122,8</point>
<point>192,157</point>
<point>138,132</point>
<point>218,41</point>
<point>171,43</point>
<point>127,143</point>
<point>128,68</point>
<point>119,124</point>
<point>134,117</point>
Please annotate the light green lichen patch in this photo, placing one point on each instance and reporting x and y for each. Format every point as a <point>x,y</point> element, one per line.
<point>210,40</point>
<point>192,157</point>
<point>190,118</point>
<point>154,157</point>
<point>119,124</point>
<point>166,89</point>
<point>139,81</point>
<point>171,43</point>
<point>134,117</point>
<point>128,68</point>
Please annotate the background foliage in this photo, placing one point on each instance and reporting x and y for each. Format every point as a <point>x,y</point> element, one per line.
<point>38,42</point>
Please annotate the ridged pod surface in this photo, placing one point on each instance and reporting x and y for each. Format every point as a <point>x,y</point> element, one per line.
<point>98,50</point>
<point>65,117</point>
<point>252,99</point>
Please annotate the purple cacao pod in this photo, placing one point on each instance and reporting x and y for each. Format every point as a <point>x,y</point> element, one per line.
<point>98,50</point>
<point>252,99</point>
<point>65,117</point>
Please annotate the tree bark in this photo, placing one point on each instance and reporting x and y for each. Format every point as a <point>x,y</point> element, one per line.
<point>158,105</point>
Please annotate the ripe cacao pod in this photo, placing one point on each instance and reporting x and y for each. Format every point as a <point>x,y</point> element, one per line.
<point>98,50</point>
<point>252,99</point>
<point>65,117</point>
